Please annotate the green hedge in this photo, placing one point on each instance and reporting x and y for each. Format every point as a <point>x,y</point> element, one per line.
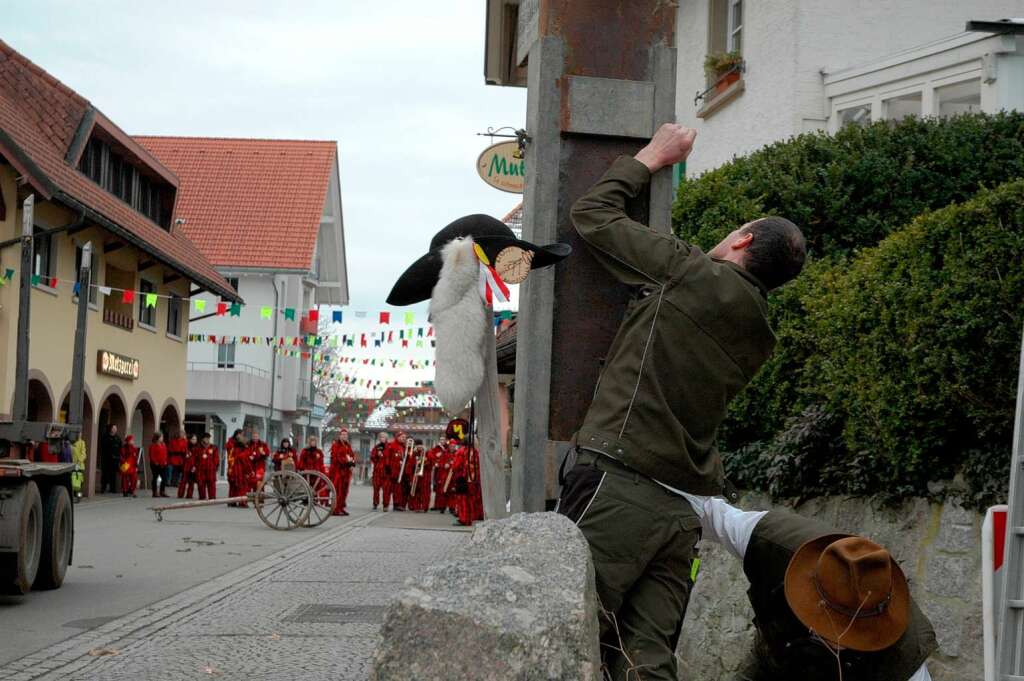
<point>852,189</point>
<point>910,358</point>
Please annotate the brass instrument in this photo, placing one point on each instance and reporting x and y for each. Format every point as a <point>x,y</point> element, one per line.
<point>405,457</point>
<point>419,471</point>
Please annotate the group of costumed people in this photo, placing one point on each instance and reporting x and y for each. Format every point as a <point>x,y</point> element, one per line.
<point>406,474</point>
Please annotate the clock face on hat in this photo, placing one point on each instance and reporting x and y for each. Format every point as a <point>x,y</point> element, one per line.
<point>513,264</point>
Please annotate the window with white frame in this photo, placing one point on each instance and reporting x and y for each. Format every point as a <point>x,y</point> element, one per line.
<point>44,263</point>
<point>734,40</point>
<point>855,115</point>
<point>147,314</point>
<point>902,106</point>
<point>959,98</point>
<point>226,356</point>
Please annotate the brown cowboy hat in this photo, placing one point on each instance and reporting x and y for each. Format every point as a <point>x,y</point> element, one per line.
<point>849,591</point>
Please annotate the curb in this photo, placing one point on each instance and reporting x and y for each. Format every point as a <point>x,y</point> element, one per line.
<point>72,654</point>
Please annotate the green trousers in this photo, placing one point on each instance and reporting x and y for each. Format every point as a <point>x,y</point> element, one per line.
<point>642,538</point>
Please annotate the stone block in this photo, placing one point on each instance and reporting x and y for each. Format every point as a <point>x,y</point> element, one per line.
<point>516,602</point>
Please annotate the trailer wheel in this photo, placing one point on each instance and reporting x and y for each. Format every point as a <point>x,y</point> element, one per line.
<point>57,539</point>
<point>18,570</point>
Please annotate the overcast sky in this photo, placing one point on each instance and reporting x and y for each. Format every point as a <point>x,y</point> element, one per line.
<point>399,85</point>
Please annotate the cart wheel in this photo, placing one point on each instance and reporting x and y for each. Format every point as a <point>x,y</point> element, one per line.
<point>324,496</point>
<point>283,501</point>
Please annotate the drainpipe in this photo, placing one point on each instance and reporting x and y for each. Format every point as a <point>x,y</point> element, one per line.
<point>273,359</point>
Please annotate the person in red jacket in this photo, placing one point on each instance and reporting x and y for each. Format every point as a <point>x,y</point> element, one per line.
<point>207,462</point>
<point>177,448</point>
<point>393,456</point>
<point>466,480</point>
<point>343,459</point>
<point>187,483</point>
<point>238,467</point>
<point>311,458</point>
<point>158,464</point>
<point>379,477</point>
<point>259,452</point>
<point>440,465</point>
<point>284,453</point>
<point>419,492</point>
<point>129,467</point>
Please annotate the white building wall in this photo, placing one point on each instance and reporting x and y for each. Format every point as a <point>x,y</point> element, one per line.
<point>786,46</point>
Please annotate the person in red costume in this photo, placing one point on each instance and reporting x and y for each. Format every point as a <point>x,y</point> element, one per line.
<point>311,458</point>
<point>129,467</point>
<point>238,467</point>
<point>394,455</point>
<point>466,480</point>
<point>283,453</point>
<point>379,477</point>
<point>423,468</point>
<point>207,461</point>
<point>439,465</point>
<point>177,448</point>
<point>343,459</point>
<point>259,452</point>
<point>187,483</point>
<point>158,464</point>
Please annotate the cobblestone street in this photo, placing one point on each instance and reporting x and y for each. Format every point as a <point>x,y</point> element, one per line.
<point>310,611</point>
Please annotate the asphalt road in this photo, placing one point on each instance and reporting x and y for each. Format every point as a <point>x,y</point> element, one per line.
<point>124,560</point>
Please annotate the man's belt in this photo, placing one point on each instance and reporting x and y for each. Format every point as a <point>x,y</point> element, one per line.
<point>612,465</point>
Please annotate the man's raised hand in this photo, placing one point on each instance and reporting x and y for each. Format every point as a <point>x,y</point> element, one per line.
<point>670,145</point>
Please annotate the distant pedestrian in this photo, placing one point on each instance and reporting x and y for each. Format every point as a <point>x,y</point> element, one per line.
<point>312,457</point>
<point>158,467</point>
<point>284,453</point>
<point>79,456</point>
<point>110,459</point>
<point>189,470</point>
<point>206,468</point>
<point>237,454</point>
<point>129,467</point>
<point>259,452</point>
<point>343,459</point>
<point>177,448</point>
<point>378,477</point>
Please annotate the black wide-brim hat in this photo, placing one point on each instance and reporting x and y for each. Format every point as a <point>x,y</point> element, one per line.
<point>417,283</point>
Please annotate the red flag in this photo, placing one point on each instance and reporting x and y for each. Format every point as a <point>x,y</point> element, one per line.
<point>385,317</point>
<point>391,335</point>
<point>314,315</point>
<point>405,344</point>
<point>222,309</point>
<point>53,282</point>
<point>305,355</point>
<point>128,296</point>
<point>362,340</point>
<point>430,331</point>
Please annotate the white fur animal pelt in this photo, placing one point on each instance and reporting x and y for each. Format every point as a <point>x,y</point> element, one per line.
<point>458,315</point>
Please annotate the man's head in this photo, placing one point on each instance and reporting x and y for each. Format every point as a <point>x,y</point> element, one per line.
<point>400,437</point>
<point>773,249</point>
<point>113,429</point>
<point>311,441</point>
<point>206,438</point>
<point>343,435</point>
<point>382,437</point>
<point>255,436</point>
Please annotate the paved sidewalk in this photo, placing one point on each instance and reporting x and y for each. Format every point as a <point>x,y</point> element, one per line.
<point>311,612</point>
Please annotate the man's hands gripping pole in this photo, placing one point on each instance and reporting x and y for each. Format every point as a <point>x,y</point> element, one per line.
<point>670,145</point>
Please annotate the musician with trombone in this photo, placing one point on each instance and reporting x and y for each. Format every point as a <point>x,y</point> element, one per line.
<point>419,488</point>
<point>394,457</point>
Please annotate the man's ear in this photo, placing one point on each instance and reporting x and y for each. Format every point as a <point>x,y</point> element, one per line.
<point>742,241</point>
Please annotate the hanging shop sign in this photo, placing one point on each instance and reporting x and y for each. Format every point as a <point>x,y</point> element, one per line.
<point>113,364</point>
<point>499,167</point>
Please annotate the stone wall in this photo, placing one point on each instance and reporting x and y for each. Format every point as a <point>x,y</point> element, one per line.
<point>938,547</point>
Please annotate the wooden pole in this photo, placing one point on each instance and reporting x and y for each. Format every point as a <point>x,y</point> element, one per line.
<point>488,429</point>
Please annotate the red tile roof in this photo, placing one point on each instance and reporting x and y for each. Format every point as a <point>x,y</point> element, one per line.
<point>39,120</point>
<point>249,202</point>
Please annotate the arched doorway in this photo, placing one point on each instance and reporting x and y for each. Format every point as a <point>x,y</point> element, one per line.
<point>143,426</point>
<point>112,413</point>
<point>170,421</point>
<point>40,404</point>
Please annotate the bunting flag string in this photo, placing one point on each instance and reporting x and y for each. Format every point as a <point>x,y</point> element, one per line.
<point>421,339</point>
<point>315,315</point>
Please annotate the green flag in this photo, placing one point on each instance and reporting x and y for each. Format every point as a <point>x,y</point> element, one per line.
<point>150,300</point>
<point>200,305</point>
<point>266,312</point>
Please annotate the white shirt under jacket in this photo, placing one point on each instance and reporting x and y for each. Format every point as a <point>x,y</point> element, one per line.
<point>732,527</point>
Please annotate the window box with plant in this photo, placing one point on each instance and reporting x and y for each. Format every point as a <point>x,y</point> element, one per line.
<point>723,69</point>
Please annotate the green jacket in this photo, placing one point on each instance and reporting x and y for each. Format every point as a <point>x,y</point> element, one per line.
<point>693,337</point>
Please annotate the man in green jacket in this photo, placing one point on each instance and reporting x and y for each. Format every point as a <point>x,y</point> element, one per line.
<point>693,337</point>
